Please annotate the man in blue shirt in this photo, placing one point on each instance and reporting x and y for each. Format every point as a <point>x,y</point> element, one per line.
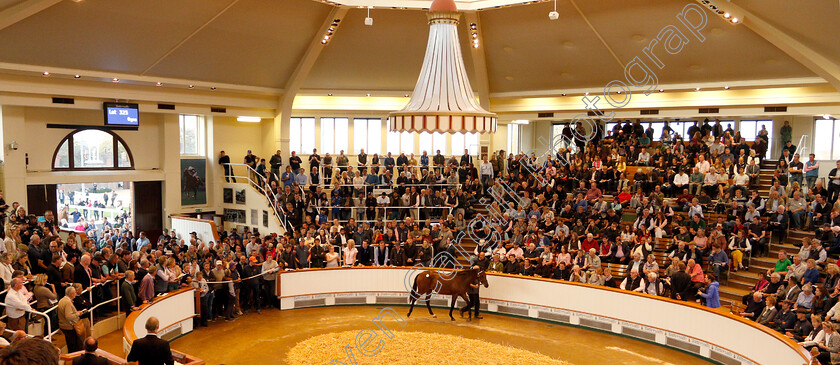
<point>719,261</point>
<point>288,177</point>
<point>389,163</point>
<point>142,241</point>
<point>812,170</point>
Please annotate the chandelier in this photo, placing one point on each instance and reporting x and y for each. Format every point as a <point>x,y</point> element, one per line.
<point>443,100</point>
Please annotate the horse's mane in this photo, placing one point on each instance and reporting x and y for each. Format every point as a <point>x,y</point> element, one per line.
<point>466,271</point>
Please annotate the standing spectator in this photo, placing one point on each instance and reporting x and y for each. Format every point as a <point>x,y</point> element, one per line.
<point>294,162</point>
<point>834,184</point>
<point>224,160</point>
<point>206,299</point>
<point>251,285</point>
<point>17,304</point>
<point>90,357</point>
<point>275,162</point>
<point>129,296</point>
<point>68,315</point>
<point>710,294</point>
<point>795,169</point>
<point>786,132</point>
<point>147,285</point>
<point>812,170</point>
<point>151,350</point>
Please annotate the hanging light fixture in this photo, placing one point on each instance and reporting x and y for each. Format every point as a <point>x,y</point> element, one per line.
<point>443,100</point>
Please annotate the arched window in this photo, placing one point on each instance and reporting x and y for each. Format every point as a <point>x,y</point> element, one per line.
<point>92,149</point>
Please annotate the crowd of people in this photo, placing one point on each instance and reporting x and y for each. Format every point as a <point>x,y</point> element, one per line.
<point>575,214</point>
<point>615,199</point>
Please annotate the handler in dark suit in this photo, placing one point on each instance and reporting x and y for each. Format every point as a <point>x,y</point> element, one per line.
<point>90,357</point>
<point>681,288</point>
<point>151,350</point>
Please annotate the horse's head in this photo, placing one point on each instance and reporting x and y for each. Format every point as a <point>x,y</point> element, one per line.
<point>482,276</point>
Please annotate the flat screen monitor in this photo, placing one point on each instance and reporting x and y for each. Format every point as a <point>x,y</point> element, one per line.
<point>122,114</point>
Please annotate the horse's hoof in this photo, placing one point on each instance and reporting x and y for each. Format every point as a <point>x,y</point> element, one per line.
<point>451,318</point>
<point>434,316</point>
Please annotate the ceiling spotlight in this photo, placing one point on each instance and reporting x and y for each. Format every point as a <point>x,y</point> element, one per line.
<point>115,80</point>
<point>330,94</point>
<point>368,94</point>
<point>618,92</point>
<point>212,88</point>
<point>323,41</point>
<point>826,116</point>
<point>727,15</point>
<point>554,15</point>
<point>697,89</point>
<point>77,76</point>
<point>662,90</point>
<point>158,84</point>
<point>192,86</point>
<point>45,73</point>
<point>586,93</point>
<point>562,94</point>
<point>726,87</point>
<point>735,20</point>
<point>368,20</point>
<point>406,95</point>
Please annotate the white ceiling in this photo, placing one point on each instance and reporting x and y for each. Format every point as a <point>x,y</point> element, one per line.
<point>260,43</point>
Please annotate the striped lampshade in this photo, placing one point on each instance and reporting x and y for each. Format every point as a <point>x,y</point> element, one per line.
<point>443,100</point>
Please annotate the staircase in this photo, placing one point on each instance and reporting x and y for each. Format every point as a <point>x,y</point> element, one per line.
<point>741,283</point>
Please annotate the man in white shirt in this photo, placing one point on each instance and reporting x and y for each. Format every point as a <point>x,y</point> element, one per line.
<point>381,202</point>
<point>702,165</point>
<point>680,182</point>
<point>741,181</point>
<point>17,303</point>
<point>486,171</point>
<point>644,158</point>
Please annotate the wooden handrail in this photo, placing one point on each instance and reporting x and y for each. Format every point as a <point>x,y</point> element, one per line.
<point>112,359</point>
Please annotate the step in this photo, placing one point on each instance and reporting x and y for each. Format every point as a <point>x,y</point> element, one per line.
<point>739,284</point>
<point>731,294</point>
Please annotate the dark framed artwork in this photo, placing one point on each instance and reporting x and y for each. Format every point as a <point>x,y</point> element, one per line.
<point>227,195</point>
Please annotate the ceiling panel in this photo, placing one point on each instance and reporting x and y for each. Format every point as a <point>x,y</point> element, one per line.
<point>815,23</point>
<point>113,35</point>
<point>256,43</point>
<point>728,53</point>
<point>527,51</point>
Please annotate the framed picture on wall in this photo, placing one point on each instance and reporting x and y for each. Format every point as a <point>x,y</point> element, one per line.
<point>254,218</point>
<point>240,196</point>
<point>227,195</point>
<point>193,181</point>
<point>265,218</point>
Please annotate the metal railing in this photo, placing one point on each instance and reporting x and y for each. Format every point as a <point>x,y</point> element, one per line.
<point>48,331</point>
<point>802,147</point>
<point>259,185</point>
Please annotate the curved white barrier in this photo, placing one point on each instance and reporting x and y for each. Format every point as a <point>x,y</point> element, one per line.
<point>689,327</point>
<point>174,311</point>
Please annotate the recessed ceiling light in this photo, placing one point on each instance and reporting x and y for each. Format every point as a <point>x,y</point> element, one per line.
<point>586,93</point>
<point>158,84</point>
<point>77,76</point>
<point>192,86</point>
<point>115,80</point>
<point>323,41</point>
<point>212,88</point>
<point>562,94</point>
<point>735,20</point>
<point>698,89</point>
<point>726,87</point>
<point>330,94</point>
<point>618,92</point>
<point>727,15</point>
<point>45,73</point>
<point>826,116</point>
<point>662,90</point>
<point>249,119</point>
<point>367,94</point>
<point>406,95</point>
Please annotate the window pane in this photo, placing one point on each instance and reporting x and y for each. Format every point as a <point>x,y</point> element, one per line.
<point>189,134</point>
<point>457,144</point>
<point>62,158</point>
<point>439,143</point>
<point>823,140</point>
<point>392,141</point>
<point>93,148</point>
<point>407,143</point>
<point>342,135</point>
<point>327,141</point>
<point>124,160</point>
<point>294,135</point>
<point>657,130</point>
<point>472,143</point>
<point>307,135</point>
<point>513,138</point>
<point>360,136</point>
<point>374,139</point>
<point>748,130</point>
<point>425,143</point>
